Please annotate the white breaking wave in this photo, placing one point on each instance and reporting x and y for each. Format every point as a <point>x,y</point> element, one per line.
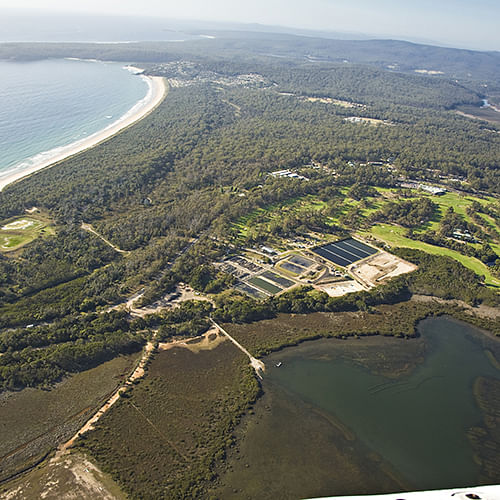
<point>53,155</point>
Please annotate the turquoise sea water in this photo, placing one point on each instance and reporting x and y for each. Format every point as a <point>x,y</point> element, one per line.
<point>47,105</point>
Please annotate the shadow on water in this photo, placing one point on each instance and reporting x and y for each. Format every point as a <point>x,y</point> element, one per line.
<point>330,424</point>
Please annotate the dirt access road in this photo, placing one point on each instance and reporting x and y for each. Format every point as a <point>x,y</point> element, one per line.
<point>256,364</point>
<point>90,229</point>
<point>136,374</point>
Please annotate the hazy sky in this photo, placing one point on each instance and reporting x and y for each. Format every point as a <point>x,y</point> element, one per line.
<point>463,23</point>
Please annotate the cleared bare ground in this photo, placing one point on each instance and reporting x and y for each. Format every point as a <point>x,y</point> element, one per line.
<point>69,477</point>
<point>381,267</point>
<point>341,288</point>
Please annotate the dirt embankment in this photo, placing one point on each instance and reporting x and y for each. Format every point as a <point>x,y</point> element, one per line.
<point>68,477</point>
<point>136,374</point>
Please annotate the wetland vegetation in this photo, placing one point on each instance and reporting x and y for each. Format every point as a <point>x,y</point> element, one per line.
<point>188,186</point>
<point>410,412</point>
<point>34,421</point>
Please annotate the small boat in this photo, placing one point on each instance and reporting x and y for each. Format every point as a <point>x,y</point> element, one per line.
<point>278,364</point>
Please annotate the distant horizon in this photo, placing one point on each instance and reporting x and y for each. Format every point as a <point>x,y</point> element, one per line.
<point>443,24</point>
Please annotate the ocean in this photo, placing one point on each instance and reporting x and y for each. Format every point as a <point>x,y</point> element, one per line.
<point>47,105</point>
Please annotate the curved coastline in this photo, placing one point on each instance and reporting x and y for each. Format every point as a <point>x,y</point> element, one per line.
<point>155,95</point>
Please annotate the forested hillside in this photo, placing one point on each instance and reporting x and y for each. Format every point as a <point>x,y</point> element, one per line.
<point>137,235</point>
<point>467,65</point>
<point>169,189</point>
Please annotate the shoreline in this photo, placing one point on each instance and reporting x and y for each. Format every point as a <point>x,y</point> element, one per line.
<point>155,95</point>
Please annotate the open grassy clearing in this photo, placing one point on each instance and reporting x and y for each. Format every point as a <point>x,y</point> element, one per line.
<point>336,102</point>
<point>33,421</point>
<point>458,202</point>
<point>490,222</point>
<point>370,205</point>
<point>242,224</point>
<point>362,120</point>
<point>18,232</point>
<point>393,235</point>
<point>267,214</point>
<point>475,112</point>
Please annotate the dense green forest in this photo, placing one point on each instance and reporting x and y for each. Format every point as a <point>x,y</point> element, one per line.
<point>190,185</point>
<point>170,189</point>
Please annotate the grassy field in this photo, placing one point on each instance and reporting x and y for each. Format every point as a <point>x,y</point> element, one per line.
<point>34,421</point>
<point>18,232</point>
<point>451,200</point>
<point>393,235</point>
<point>267,214</point>
<point>458,202</point>
<point>490,222</point>
<point>164,438</point>
<point>366,121</point>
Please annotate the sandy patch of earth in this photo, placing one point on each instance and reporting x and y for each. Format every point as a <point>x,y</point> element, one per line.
<point>380,268</point>
<point>208,341</point>
<point>341,288</point>
<point>18,224</point>
<point>68,477</point>
<point>481,310</point>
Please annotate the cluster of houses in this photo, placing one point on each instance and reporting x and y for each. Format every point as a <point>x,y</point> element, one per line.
<point>289,174</point>
<point>464,236</point>
<point>437,191</point>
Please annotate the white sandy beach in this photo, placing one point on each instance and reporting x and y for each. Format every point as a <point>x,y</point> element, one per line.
<point>156,93</point>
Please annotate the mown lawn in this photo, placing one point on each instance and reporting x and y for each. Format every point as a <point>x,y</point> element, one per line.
<point>13,237</point>
<point>393,235</point>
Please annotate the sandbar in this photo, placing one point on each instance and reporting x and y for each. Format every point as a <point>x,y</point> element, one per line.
<point>156,93</point>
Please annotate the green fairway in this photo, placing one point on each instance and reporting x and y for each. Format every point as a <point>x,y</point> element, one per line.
<point>393,235</point>
<point>457,202</point>
<point>490,222</point>
<point>12,241</point>
<point>18,232</point>
<point>263,216</point>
